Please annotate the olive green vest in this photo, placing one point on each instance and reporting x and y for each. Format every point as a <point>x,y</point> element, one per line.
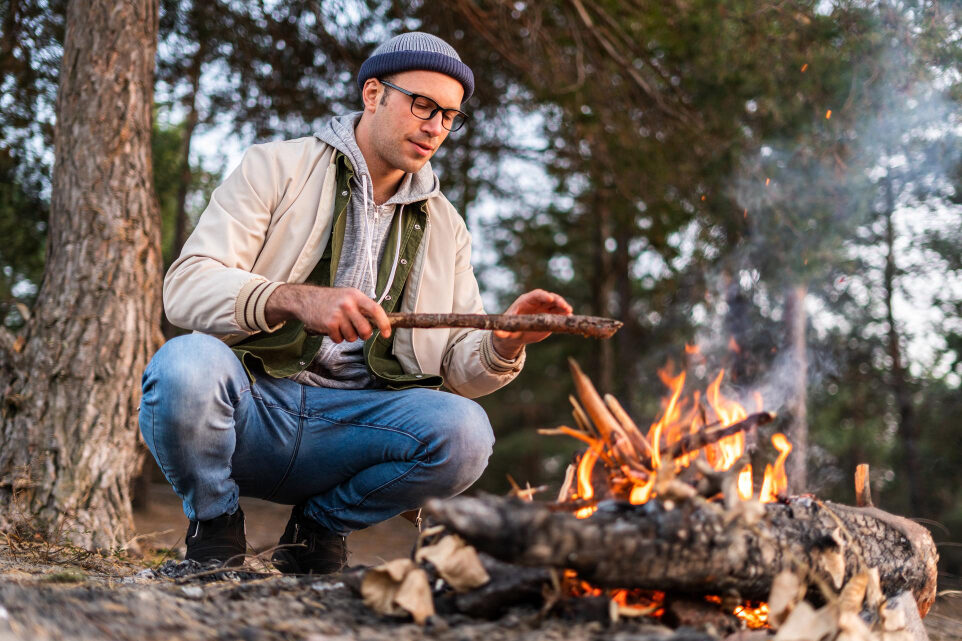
<point>290,349</point>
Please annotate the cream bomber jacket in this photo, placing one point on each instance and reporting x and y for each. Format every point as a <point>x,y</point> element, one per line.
<point>268,224</point>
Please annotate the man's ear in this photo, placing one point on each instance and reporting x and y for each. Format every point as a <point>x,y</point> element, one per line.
<point>371,94</point>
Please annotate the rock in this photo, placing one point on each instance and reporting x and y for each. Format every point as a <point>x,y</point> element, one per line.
<point>192,591</point>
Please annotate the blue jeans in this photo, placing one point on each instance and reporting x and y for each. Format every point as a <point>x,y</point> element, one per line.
<point>352,457</point>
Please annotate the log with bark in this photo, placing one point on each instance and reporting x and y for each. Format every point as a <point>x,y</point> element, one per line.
<point>700,548</point>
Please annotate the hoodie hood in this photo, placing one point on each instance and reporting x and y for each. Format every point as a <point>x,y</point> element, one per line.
<point>339,133</point>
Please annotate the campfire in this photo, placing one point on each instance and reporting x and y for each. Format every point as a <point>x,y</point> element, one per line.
<point>669,524</point>
<point>706,432</point>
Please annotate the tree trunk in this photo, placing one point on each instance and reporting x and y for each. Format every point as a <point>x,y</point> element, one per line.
<point>797,431</point>
<point>68,428</point>
<point>907,430</point>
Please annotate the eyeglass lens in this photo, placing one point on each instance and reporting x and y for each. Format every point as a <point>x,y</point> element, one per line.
<point>425,108</point>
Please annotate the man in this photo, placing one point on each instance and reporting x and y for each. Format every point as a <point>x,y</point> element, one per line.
<point>317,403</point>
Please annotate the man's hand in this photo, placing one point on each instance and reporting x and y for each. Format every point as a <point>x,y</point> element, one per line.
<point>538,301</point>
<point>343,313</point>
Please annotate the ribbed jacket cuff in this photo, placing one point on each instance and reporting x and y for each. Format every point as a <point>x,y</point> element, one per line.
<point>251,303</point>
<point>493,362</point>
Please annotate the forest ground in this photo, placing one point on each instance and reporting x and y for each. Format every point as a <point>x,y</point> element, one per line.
<point>51,592</point>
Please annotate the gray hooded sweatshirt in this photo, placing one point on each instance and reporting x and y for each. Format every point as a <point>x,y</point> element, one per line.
<point>341,365</point>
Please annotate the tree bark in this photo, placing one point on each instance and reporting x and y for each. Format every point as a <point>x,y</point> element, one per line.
<point>700,548</point>
<point>68,427</point>
<point>797,431</point>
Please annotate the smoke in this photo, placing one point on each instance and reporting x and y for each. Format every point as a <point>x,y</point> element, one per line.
<point>814,209</point>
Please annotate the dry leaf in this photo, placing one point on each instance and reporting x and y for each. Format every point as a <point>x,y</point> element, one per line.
<point>852,628</point>
<point>398,588</point>
<point>414,595</point>
<point>807,624</point>
<point>832,560</point>
<point>456,562</point>
<point>900,620</point>
<point>898,635</point>
<point>873,594</point>
<point>787,591</point>
<point>893,619</point>
<point>850,600</point>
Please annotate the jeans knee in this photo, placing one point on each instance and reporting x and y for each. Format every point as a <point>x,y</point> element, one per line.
<point>190,365</point>
<point>464,443</point>
<point>190,380</point>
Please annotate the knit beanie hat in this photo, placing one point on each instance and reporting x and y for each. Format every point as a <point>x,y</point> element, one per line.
<point>417,50</point>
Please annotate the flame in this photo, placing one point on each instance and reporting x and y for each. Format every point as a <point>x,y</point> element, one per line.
<point>632,463</point>
<point>641,493</point>
<point>776,480</point>
<point>586,491</point>
<point>745,489</point>
<point>755,617</point>
<point>585,468</point>
<point>753,614</point>
<point>682,416</point>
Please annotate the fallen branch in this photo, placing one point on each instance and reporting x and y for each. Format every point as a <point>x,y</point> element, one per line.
<point>588,326</point>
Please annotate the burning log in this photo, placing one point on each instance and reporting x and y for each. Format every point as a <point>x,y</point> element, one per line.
<point>587,326</point>
<point>701,548</point>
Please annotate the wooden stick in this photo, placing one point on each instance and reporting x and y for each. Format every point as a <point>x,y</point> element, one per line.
<point>637,438</point>
<point>863,489</point>
<point>588,326</point>
<point>709,435</point>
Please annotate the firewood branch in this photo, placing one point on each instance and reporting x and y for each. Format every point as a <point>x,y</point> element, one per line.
<point>710,435</point>
<point>588,326</point>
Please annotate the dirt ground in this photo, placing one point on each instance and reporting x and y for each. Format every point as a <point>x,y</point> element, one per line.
<point>163,525</point>
<point>50,593</point>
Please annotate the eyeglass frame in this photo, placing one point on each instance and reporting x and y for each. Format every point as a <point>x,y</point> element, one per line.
<point>437,108</point>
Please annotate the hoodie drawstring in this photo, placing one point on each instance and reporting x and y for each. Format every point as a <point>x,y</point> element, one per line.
<point>370,245</point>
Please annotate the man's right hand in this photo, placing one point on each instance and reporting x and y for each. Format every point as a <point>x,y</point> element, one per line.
<point>343,313</point>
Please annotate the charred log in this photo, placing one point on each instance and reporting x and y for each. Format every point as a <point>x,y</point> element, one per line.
<point>509,586</point>
<point>700,548</point>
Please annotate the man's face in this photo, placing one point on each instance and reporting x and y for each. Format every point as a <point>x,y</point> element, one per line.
<point>402,140</point>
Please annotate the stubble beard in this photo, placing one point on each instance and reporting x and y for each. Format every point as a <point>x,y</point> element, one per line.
<point>392,153</point>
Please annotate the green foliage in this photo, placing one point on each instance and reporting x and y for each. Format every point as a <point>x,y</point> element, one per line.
<point>23,223</point>
<point>167,145</point>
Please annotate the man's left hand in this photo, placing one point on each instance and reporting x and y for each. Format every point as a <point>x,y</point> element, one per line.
<point>509,344</point>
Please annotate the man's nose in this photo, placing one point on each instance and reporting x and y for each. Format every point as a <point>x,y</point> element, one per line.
<point>432,126</point>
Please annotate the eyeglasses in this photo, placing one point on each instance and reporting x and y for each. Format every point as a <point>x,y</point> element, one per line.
<point>424,108</point>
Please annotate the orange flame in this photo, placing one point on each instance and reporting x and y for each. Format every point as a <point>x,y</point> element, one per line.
<point>683,415</point>
<point>745,489</point>
<point>636,475</point>
<point>776,480</point>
